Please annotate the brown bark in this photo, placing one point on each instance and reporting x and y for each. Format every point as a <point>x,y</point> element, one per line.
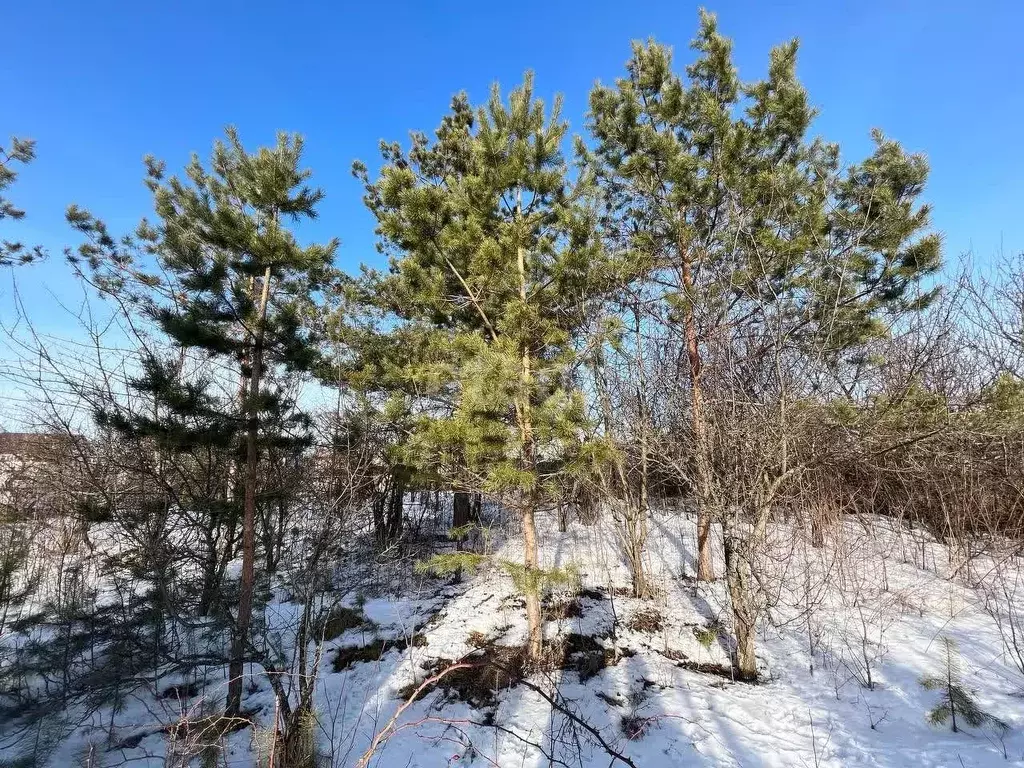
<point>701,449</point>
<point>461,515</point>
<point>529,504</point>
<point>533,614</point>
<point>460,510</point>
<point>210,586</point>
<point>529,496</point>
<point>248,579</point>
<point>389,507</point>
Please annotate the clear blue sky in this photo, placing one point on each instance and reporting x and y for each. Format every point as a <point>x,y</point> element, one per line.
<point>101,84</point>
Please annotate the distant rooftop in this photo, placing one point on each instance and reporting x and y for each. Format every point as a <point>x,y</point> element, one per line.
<point>38,445</point>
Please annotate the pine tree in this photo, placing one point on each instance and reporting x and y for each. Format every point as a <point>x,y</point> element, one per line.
<point>493,251</point>
<point>23,152</point>
<point>231,283</point>
<point>955,700</point>
<point>764,246</point>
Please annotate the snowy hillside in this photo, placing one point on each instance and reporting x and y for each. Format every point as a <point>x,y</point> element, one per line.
<point>629,680</point>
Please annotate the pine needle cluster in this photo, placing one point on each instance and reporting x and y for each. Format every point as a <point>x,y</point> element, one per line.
<point>956,701</point>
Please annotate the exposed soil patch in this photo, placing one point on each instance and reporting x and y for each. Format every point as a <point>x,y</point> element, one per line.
<point>706,668</point>
<point>558,610</point>
<point>651,593</point>
<point>587,656</point>
<point>341,619</point>
<point>635,727</point>
<point>495,668</point>
<point>350,655</point>
<point>499,667</point>
<point>182,691</point>
<point>648,620</point>
<point>478,639</point>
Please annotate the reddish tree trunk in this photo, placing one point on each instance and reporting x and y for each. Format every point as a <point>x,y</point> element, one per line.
<point>247,583</point>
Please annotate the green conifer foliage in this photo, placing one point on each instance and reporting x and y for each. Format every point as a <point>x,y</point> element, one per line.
<point>763,243</point>
<point>494,255</point>
<point>20,152</point>
<point>721,176</point>
<point>956,701</point>
<point>231,282</point>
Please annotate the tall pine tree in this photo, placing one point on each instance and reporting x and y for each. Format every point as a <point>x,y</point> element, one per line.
<point>232,282</point>
<point>762,243</point>
<point>494,247</point>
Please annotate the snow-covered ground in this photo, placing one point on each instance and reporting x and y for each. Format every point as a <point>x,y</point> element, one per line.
<point>849,632</point>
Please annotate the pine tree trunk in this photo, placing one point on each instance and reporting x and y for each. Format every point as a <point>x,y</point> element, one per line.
<point>529,496</point>
<point>460,510</point>
<point>380,501</point>
<point>396,505</point>
<point>210,584</point>
<point>738,579</point>
<point>280,532</point>
<point>274,535</point>
<point>247,584</point>
<point>533,614</point>
<point>389,507</point>
<point>704,491</point>
<point>529,504</point>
